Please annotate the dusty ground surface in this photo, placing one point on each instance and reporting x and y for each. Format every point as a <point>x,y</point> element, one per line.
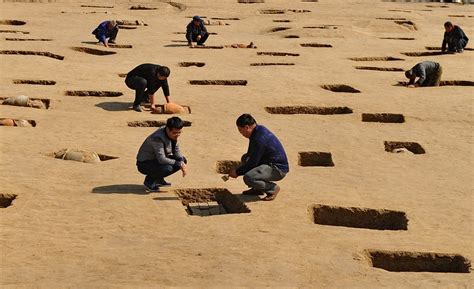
<point>78,225</point>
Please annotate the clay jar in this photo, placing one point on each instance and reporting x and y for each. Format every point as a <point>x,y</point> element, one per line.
<point>172,108</point>
<point>7,122</point>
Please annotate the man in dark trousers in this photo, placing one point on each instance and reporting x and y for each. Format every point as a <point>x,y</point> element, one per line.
<point>264,162</point>
<point>196,32</point>
<point>454,38</point>
<point>429,73</point>
<point>107,29</point>
<point>146,79</point>
<point>159,156</point>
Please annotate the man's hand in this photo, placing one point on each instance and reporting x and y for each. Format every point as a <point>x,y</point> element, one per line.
<point>184,169</point>
<point>198,37</point>
<point>233,174</point>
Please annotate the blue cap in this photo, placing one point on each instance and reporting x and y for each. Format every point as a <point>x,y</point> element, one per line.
<point>196,18</point>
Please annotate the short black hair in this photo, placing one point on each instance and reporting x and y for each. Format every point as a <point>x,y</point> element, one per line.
<point>174,123</point>
<point>448,24</point>
<point>245,119</point>
<point>164,71</point>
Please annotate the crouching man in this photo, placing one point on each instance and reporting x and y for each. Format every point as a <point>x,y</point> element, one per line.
<point>265,161</point>
<point>159,156</point>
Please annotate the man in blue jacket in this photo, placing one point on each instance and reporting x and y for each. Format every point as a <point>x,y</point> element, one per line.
<point>196,31</point>
<point>107,29</point>
<point>264,162</point>
<point>159,156</point>
<point>454,38</point>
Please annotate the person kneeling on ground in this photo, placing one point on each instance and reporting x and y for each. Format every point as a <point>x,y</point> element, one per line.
<point>454,38</point>
<point>106,29</point>
<point>196,32</point>
<point>264,162</point>
<point>146,79</point>
<point>429,73</point>
<point>159,156</point>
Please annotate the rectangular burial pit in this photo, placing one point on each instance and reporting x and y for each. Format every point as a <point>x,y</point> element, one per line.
<point>403,261</point>
<point>439,48</point>
<point>383,117</point>
<point>443,83</point>
<point>362,218</point>
<point>271,64</point>
<point>400,147</point>
<point>152,123</point>
<point>393,69</point>
<point>315,159</point>
<point>14,31</point>
<point>94,93</point>
<point>340,88</point>
<point>34,82</point>
<point>272,11</point>
<point>424,53</point>
<point>376,58</point>
<point>308,110</point>
<point>28,39</point>
<point>17,122</point>
<point>28,52</point>
<point>398,38</point>
<point>81,156</point>
<point>276,29</point>
<point>211,201</point>
<point>93,51</point>
<point>40,103</point>
<point>189,64</point>
<point>6,200</point>
<point>218,82</point>
<point>316,45</point>
<point>12,22</point>
<point>278,53</point>
<point>225,166</point>
<point>207,47</point>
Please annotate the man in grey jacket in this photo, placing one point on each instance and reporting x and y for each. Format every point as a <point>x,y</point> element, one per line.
<point>429,73</point>
<point>159,155</point>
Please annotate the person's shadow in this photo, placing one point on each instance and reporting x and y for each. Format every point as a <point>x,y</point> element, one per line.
<point>114,106</point>
<point>120,189</point>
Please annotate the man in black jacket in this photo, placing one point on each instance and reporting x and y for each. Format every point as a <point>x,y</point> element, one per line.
<point>454,38</point>
<point>146,79</point>
<point>196,32</point>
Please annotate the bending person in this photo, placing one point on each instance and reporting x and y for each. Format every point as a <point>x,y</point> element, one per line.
<point>428,73</point>
<point>146,79</point>
<point>106,30</point>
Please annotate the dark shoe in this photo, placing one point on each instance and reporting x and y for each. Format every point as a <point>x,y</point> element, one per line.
<point>163,183</point>
<point>112,41</point>
<point>252,192</point>
<point>137,108</point>
<point>272,196</point>
<point>201,44</point>
<point>460,50</point>
<point>151,188</point>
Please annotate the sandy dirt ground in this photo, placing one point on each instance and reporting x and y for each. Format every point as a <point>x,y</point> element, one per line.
<point>79,225</point>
